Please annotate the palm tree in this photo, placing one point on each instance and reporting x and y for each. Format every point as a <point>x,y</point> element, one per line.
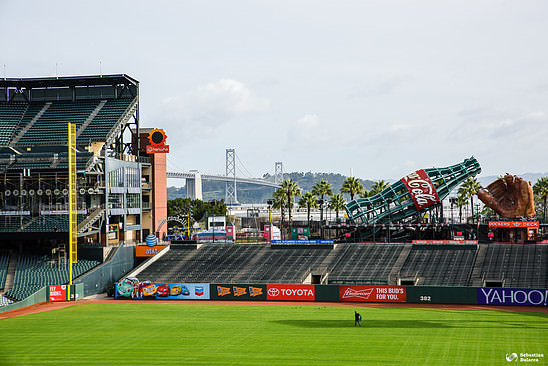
<point>352,185</point>
<point>541,190</point>
<point>367,193</point>
<point>378,186</point>
<point>468,189</point>
<point>309,201</point>
<point>290,189</point>
<point>320,189</point>
<point>337,203</point>
<point>278,202</point>
<point>460,202</point>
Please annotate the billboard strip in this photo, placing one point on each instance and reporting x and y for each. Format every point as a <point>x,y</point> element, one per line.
<point>373,293</point>
<point>243,292</point>
<point>291,292</point>
<point>131,288</point>
<point>512,296</point>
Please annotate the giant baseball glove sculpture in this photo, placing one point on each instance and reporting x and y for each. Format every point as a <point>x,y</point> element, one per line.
<point>510,196</point>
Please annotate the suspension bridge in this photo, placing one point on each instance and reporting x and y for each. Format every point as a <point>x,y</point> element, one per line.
<point>194,179</point>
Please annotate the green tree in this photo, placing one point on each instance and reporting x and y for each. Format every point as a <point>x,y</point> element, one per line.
<point>460,202</point>
<point>367,193</point>
<point>468,189</point>
<point>378,187</point>
<point>290,189</point>
<point>352,186</point>
<point>540,189</point>
<point>337,203</point>
<point>309,201</point>
<point>320,189</point>
<point>278,202</point>
<point>195,208</point>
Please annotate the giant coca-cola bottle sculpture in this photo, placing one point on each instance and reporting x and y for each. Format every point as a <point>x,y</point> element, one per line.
<point>413,193</point>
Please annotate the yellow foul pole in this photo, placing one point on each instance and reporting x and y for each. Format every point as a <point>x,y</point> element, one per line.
<point>73,254</point>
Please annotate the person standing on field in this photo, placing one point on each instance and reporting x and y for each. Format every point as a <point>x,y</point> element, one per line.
<point>357,318</point>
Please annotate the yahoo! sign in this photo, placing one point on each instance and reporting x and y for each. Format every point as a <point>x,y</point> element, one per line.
<point>512,296</point>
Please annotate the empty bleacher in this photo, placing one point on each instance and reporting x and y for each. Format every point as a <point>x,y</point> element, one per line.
<point>49,223</point>
<point>440,265</point>
<point>253,263</point>
<point>45,123</point>
<point>52,125</point>
<point>10,113</point>
<point>516,265</point>
<point>364,264</point>
<point>35,272</point>
<point>210,263</point>
<point>4,263</point>
<point>13,223</point>
<point>285,265</point>
<point>102,123</point>
<point>354,264</point>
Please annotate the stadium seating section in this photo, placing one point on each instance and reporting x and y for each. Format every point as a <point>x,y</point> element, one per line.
<point>440,265</point>
<point>38,224</point>
<point>4,262</point>
<point>365,264</point>
<point>35,272</point>
<point>45,123</point>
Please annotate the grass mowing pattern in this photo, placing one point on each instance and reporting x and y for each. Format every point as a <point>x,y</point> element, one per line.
<point>183,334</point>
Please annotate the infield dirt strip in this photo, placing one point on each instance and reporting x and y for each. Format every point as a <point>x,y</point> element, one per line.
<point>102,299</point>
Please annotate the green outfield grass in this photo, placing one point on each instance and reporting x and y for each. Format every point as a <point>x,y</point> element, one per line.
<point>183,334</point>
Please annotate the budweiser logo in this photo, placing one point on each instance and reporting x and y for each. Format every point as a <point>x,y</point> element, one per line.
<point>421,189</point>
<point>362,294</point>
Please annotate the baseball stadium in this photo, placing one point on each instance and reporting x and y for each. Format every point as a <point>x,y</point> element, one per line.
<point>89,274</point>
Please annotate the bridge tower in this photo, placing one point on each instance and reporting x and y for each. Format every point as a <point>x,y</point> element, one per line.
<point>231,195</point>
<point>278,172</point>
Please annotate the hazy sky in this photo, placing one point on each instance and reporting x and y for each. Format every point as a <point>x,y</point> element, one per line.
<point>380,88</point>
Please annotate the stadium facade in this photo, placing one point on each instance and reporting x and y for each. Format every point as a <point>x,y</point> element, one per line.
<point>116,187</point>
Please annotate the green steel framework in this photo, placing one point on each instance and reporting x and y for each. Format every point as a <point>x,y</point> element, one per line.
<point>394,203</point>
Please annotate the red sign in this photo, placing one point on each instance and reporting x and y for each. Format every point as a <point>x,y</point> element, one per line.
<point>421,189</point>
<point>157,149</point>
<point>372,293</point>
<point>533,224</point>
<point>58,293</point>
<point>290,292</point>
<point>444,241</point>
<point>146,251</point>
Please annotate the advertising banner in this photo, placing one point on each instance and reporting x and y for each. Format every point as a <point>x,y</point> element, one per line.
<point>58,293</point>
<point>512,296</point>
<point>373,293</point>
<point>421,189</point>
<point>157,149</point>
<point>139,290</point>
<point>303,241</point>
<point>533,224</point>
<point>290,292</point>
<point>146,251</point>
<point>237,292</point>
<point>444,241</point>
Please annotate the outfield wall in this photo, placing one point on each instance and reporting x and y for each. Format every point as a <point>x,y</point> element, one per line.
<point>332,293</point>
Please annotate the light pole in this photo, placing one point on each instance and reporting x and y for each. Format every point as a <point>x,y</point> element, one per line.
<point>320,201</point>
<point>388,202</point>
<point>269,203</point>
